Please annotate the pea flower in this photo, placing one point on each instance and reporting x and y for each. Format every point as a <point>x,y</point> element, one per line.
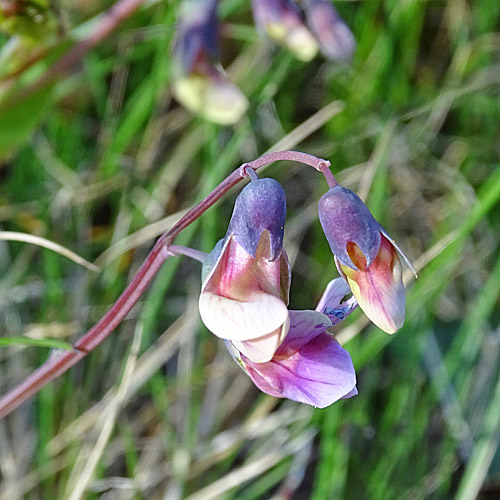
<point>309,366</point>
<point>246,278</point>
<point>200,83</point>
<point>282,22</point>
<point>366,257</point>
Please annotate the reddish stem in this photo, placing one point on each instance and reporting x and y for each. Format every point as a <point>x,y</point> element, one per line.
<point>59,363</point>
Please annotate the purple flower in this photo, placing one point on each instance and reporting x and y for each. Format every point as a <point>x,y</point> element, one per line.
<point>309,366</point>
<point>200,83</point>
<point>247,276</point>
<point>334,37</point>
<point>244,297</point>
<point>366,257</point>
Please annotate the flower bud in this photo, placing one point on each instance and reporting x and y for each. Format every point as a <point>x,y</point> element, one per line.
<point>260,207</point>
<point>366,257</point>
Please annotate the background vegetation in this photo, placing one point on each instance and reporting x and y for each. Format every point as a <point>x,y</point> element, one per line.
<point>159,410</point>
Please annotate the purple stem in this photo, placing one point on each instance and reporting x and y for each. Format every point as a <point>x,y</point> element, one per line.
<point>58,364</point>
<point>188,252</point>
<point>330,178</point>
<point>251,173</point>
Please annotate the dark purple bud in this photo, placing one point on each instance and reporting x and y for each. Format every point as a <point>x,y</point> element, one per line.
<point>345,218</point>
<point>261,206</point>
<point>334,37</point>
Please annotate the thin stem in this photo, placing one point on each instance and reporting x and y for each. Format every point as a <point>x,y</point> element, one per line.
<point>188,252</point>
<point>330,178</point>
<point>251,173</point>
<point>297,156</point>
<point>59,363</point>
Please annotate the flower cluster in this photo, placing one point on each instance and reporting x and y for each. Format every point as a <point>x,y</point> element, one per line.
<point>246,281</point>
<point>200,83</point>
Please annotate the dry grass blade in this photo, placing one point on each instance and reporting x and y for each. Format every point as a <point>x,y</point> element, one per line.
<point>138,238</point>
<point>49,245</point>
<point>250,470</point>
<point>157,355</point>
<point>82,481</point>
<point>308,127</point>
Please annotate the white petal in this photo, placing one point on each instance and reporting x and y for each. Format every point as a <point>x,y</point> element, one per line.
<point>236,320</point>
<point>262,350</point>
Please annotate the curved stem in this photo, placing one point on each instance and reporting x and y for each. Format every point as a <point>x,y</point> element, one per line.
<point>330,178</point>
<point>188,252</point>
<point>59,363</point>
<point>297,156</point>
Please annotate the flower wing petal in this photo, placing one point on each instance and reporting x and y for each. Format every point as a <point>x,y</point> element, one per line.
<point>330,305</point>
<point>334,292</point>
<point>319,374</point>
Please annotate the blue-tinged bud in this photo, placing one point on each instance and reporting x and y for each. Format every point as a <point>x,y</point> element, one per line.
<point>345,218</point>
<point>261,206</point>
<point>246,278</point>
<point>366,257</point>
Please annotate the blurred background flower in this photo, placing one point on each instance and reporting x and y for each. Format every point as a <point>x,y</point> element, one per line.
<point>199,82</point>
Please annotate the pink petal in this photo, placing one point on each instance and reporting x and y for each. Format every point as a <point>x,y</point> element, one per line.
<point>304,326</point>
<point>379,288</point>
<point>319,374</point>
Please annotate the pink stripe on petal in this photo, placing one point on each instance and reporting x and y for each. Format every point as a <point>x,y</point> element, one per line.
<point>236,320</point>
